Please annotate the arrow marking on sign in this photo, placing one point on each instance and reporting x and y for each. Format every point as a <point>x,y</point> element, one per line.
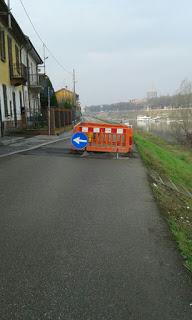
<point>78,140</point>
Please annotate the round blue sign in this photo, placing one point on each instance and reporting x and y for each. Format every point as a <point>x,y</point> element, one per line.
<point>79,140</point>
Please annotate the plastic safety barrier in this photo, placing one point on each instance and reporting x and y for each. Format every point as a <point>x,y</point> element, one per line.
<point>105,137</point>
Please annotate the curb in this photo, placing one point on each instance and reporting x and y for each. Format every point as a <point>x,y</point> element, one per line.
<point>33,148</point>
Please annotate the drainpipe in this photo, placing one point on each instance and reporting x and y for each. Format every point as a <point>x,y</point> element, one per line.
<point>28,76</point>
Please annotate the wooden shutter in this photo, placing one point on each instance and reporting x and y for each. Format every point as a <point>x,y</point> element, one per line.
<point>5,99</point>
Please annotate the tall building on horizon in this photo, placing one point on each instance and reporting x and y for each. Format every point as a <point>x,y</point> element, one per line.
<point>152,93</point>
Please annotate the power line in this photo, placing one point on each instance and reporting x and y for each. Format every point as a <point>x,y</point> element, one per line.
<point>40,38</point>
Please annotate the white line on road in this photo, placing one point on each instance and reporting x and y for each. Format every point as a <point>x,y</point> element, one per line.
<point>33,148</point>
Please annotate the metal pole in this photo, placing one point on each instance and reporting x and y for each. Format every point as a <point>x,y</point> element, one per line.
<point>44,58</point>
<point>49,113</point>
<point>9,13</point>
<point>74,93</point>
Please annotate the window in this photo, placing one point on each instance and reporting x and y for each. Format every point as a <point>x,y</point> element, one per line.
<point>2,45</point>
<point>21,103</point>
<point>9,40</point>
<point>17,58</point>
<point>5,100</point>
<point>10,106</point>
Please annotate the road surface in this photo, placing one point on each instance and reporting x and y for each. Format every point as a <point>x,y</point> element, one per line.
<point>82,239</point>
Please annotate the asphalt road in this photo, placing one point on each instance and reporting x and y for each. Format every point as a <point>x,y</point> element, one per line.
<point>82,239</point>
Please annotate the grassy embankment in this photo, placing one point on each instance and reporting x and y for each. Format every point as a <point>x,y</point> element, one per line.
<point>170,169</point>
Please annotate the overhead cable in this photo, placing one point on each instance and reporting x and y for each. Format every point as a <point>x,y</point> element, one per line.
<point>44,44</point>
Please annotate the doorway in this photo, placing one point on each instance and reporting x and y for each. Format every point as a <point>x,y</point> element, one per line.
<point>14,110</point>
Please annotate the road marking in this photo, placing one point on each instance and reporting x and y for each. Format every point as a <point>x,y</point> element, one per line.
<point>33,148</point>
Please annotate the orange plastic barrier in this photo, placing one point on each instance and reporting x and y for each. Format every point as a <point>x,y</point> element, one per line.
<point>105,137</point>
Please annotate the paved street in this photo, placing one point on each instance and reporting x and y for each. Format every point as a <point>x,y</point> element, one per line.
<point>82,239</point>
<point>14,144</point>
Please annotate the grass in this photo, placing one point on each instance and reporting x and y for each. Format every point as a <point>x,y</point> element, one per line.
<point>184,242</point>
<point>171,162</point>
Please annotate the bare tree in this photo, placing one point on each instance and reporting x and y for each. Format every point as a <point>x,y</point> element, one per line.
<point>182,127</point>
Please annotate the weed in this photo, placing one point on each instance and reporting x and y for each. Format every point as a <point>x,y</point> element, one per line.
<point>175,163</point>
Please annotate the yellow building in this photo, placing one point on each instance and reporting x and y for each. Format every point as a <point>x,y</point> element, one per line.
<point>15,74</point>
<point>65,98</point>
<point>68,100</point>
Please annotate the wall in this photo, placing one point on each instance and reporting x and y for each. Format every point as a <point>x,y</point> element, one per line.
<point>5,79</point>
<point>63,96</point>
<point>34,97</point>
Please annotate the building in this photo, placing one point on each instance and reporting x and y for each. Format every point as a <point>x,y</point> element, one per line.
<point>31,92</point>
<point>65,98</point>
<point>68,100</point>
<point>151,94</point>
<point>19,88</point>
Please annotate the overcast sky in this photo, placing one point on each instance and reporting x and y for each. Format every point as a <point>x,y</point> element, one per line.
<point>119,48</point>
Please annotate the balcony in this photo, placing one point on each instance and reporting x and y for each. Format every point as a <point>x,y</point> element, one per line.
<point>18,74</point>
<point>34,83</point>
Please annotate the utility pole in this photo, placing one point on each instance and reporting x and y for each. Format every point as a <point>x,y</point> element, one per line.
<point>9,13</point>
<point>49,111</point>
<point>74,93</point>
<point>74,88</point>
<point>44,57</point>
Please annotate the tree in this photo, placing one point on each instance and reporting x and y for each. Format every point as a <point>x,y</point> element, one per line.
<point>182,127</point>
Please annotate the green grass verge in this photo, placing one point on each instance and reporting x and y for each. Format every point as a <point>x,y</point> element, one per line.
<point>171,162</point>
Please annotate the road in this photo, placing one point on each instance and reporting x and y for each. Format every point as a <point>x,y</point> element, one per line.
<point>83,239</point>
<point>90,118</point>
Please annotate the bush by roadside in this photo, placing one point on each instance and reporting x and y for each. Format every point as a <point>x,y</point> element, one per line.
<point>170,171</point>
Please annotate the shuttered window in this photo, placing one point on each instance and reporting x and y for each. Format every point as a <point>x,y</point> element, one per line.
<point>17,58</point>
<point>21,103</point>
<point>2,45</point>
<point>5,100</point>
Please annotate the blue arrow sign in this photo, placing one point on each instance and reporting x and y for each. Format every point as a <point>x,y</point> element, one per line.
<point>79,140</point>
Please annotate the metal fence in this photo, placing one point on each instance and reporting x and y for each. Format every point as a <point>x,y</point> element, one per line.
<point>58,120</point>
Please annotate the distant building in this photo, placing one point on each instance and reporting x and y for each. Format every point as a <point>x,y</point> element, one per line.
<point>137,101</point>
<point>66,99</point>
<point>151,94</point>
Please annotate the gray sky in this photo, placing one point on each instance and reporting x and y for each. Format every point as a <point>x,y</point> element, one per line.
<point>119,48</point>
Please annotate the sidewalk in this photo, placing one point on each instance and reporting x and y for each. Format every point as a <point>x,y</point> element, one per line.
<point>12,145</point>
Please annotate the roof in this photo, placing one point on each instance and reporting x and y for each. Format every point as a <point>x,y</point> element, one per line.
<point>17,32</point>
<point>33,51</point>
<point>66,90</point>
